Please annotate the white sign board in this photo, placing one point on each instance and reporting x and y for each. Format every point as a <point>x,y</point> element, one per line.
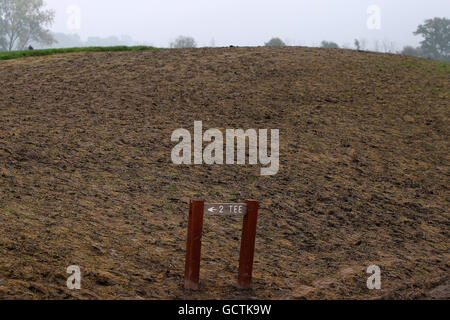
<point>234,209</point>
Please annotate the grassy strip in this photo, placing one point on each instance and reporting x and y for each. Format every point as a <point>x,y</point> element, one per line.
<point>46,52</point>
<point>441,66</point>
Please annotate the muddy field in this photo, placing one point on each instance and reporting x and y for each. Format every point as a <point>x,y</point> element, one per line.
<point>86,176</point>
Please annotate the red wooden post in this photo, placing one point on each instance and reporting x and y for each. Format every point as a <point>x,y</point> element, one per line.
<point>248,245</point>
<point>194,244</point>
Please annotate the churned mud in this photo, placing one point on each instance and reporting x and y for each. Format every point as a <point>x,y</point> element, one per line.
<point>86,176</point>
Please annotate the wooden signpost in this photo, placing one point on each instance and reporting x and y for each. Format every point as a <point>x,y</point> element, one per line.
<point>197,210</point>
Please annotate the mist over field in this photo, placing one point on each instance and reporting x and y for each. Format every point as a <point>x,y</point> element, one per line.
<point>129,171</point>
<point>248,23</point>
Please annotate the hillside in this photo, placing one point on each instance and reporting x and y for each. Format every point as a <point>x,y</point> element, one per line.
<point>86,176</point>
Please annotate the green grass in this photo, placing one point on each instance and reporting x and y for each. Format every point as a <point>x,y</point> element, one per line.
<point>46,52</point>
<point>426,66</point>
<point>434,65</point>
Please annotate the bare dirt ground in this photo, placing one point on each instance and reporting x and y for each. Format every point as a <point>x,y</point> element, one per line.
<point>86,176</point>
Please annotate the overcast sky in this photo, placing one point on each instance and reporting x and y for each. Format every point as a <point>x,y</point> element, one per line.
<point>248,22</point>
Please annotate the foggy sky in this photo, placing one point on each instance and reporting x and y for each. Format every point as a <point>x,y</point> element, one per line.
<point>248,22</point>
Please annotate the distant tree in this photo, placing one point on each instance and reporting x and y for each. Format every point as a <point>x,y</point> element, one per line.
<point>347,45</point>
<point>411,51</point>
<point>184,42</point>
<point>3,43</point>
<point>388,46</point>
<point>360,44</point>
<point>275,42</point>
<point>329,44</point>
<point>104,42</point>
<point>376,46</point>
<point>436,34</point>
<point>23,21</point>
<point>63,40</point>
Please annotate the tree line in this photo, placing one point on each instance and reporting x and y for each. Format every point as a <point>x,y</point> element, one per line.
<point>26,22</point>
<point>435,44</point>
